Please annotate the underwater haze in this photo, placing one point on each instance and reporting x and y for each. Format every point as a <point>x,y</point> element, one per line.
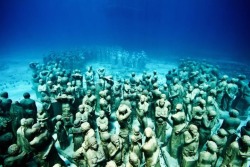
<point>162,28</point>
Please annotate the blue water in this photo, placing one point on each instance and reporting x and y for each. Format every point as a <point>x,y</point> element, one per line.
<point>205,29</point>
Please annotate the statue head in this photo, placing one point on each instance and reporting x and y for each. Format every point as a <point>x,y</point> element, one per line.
<point>26,95</point>
<point>115,139</point>
<point>4,94</point>
<point>148,132</point>
<point>13,149</point>
<point>111,164</point>
<point>222,132</point>
<point>246,140</point>
<point>133,159</point>
<point>102,114</point>
<point>212,146</point>
<point>85,126</point>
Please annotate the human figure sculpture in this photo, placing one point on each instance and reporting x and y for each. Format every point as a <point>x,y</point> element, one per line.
<point>231,91</point>
<point>94,154</point>
<point>161,116</point>
<point>102,119</point>
<point>43,143</point>
<point>91,98</point>
<point>176,139</point>
<point>29,106</point>
<point>237,153</point>
<point>111,164</point>
<point>62,135</point>
<point>245,130</point>
<point>91,113</point>
<point>15,157</point>
<point>25,133</point>
<point>245,99</point>
<point>208,157</point>
<point>136,143</point>
<point>132,79</point>
<point>104,104</point>
<point>105,138</point>
<point>133,160</point>
<point>89,77</point>
<point>115,148</point>
<point>42,88</point>
<point>231,124</point>
<point>167,104</point>
<point>220,139</point>
<point>82,114</point>
<point>190,146</point>
<point>142,110</point>
<point>126,87</point>
<point>208,122</point>
<point>151,149</point>
<point>117,97</point>
<point>78,137</point>
<point>176,94</point>
<point>5,103</point>
<point>67,114</point>
<point>221,87</point>
<point>187,103</point>
<point>87,131</point>
<point>123,117</point>
<point>6,134</point>
<point>198,112</point>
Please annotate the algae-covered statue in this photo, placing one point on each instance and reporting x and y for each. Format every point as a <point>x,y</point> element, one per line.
<point>115,148</point>
<point>161,116</point>
<point>237,153</point>
<point>29,106</point>
<point>142,111</point>
<point>208,157</point>
<point>179,125</point>
<point>190,147</point>
<point>151,149</point>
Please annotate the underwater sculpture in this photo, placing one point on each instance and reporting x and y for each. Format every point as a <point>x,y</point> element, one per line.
<point>127,123</point>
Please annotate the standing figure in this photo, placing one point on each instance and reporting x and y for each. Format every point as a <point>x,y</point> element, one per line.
<point>237,153</point>
<point>177,92</point>
<point>102,119</point>
<point>179,124</point>
<point>89,77</point>
<point>76,130</point>
<point>142,111</point>
<point>67,114</point>
<point>15,157</point>
<point>136,143</point>
<point>91,98</point>
<point>94,154</point>
<point>115,148</point>
<point>123,117</point>
<point>208,157</point>
<point>62,135</point>
<point>151,149</point>
<point>29,106</point>
<point>208,122</point>
<point>133,160</point>
<point>190,147</point>
<point>161,116</point>
<point>231,91</point>
<point>5,103</point>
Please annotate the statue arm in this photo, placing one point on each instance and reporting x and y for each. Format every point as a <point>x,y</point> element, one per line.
<point>188,138</point>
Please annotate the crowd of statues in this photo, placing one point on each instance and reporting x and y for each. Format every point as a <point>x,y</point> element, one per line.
<point>116,56</point>
<point>105,122</point>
